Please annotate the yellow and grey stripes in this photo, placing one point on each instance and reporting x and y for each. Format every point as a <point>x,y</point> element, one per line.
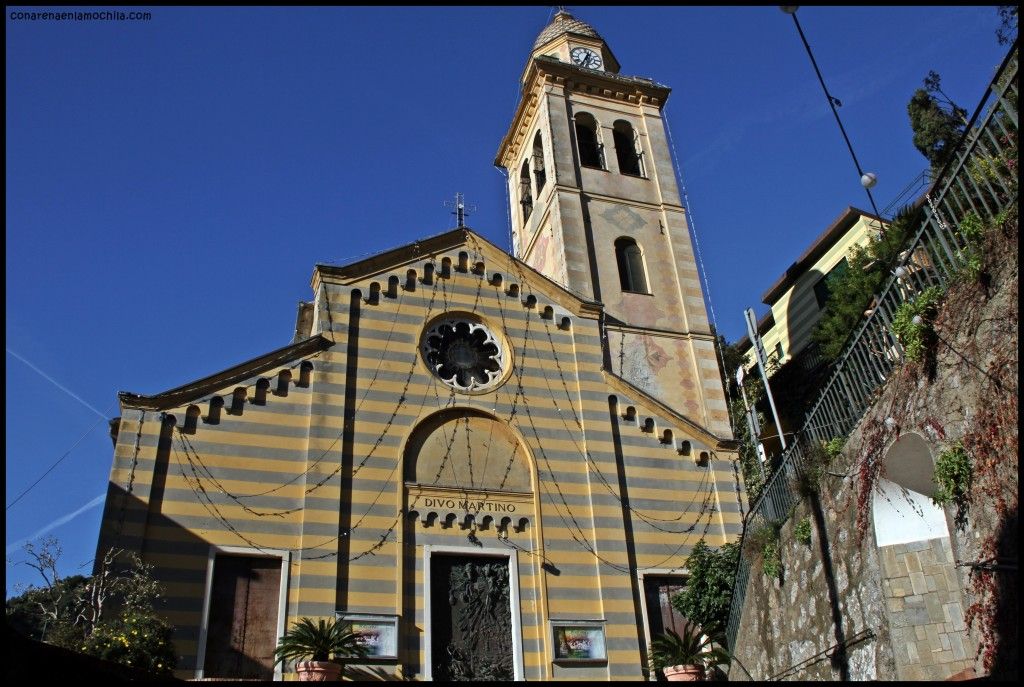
<point>316,464</point>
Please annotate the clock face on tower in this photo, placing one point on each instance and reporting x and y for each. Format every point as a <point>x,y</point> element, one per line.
<point>585,57</point>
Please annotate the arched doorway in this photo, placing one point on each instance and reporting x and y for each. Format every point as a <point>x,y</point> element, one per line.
<point>470,514</point>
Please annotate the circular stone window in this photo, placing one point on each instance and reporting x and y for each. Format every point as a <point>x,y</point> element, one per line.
<point>464,354</point>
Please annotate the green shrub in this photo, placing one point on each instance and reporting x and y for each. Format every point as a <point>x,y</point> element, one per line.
<point>971,227</point>
<point>802,531</point>
<point>916,337</point>
<point>970,257</point>
<point>764,541</point>
<point>833,447</point>
<point>808,479</point>
<point>953,475</point>
<point>696,646</point>
<point>706,596</point>
<point>140,640</point>
<point>762,535</point>
<point>771,562</point>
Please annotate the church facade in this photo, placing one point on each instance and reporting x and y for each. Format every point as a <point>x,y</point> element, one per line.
<point>493,466</point>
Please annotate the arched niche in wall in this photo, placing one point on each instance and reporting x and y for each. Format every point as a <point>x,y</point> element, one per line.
<point>467,449</point>
<point>901,507</point>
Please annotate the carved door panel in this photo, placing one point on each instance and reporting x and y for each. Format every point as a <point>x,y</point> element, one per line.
<point>471,623</point>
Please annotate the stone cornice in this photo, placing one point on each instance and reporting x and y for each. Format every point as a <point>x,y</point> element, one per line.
<point>698,431</point>
<point>226,378</point>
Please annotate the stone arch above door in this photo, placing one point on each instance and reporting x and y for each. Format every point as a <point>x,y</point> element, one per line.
<point>467,449</point>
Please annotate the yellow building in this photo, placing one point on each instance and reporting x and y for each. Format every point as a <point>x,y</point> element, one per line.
<point>494,466</point>
<point>798,296</point>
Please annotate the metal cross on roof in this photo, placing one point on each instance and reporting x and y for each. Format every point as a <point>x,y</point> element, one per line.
<point>461,210</point>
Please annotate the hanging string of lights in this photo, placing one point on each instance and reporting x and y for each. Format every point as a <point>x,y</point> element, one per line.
<point>868,179</point>
<point>199,470</point>
<point>324,453</point>
<point>131,475</point>
<point>203,496</point>
<point>595,468</point>
<point>582,539</point>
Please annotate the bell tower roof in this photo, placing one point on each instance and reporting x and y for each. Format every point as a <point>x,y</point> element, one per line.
<point>564,22</point>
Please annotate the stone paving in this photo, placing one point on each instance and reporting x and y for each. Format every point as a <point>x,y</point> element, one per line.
<point>926,612</point>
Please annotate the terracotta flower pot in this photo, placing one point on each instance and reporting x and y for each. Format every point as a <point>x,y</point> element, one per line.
<point>686,673</point>
<point>318,671</point>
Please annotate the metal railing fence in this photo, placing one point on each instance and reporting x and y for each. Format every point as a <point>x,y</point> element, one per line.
<point>981,180</point>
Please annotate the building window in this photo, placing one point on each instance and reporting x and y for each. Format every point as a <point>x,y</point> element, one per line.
<point>464,354</point>
<point>631,265</point>
<point>525,197</point>
<point>538,162</point>
<point>824,286</point>
<point>586,141</point>
<point>627,149</point>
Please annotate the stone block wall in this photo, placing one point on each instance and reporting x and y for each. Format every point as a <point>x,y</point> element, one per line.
<point>890,608</point>
<point>925,609</point>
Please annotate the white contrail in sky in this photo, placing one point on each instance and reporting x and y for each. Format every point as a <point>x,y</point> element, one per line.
<point>11,548</point>
<point>57,384</point>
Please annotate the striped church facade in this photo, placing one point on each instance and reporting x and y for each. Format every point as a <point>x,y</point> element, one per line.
<point>333,476</point>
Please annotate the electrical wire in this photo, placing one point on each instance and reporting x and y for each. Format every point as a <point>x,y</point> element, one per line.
<point>55,464</point>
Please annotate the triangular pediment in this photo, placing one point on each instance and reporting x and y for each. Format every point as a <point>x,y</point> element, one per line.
<point>463,250</point>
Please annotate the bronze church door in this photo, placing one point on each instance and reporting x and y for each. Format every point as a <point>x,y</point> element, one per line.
<point>471,621</point>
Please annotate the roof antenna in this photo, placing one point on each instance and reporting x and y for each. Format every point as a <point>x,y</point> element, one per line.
<point>461,210</point>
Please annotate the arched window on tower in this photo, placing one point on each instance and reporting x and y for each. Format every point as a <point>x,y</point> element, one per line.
<point>631,265</point>
<point>627,149</point>
<point>538,162</point>
<point>525,197</point>
<point>586,141</point>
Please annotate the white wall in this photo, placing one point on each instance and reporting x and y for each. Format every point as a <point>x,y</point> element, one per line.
<point>903,516</point>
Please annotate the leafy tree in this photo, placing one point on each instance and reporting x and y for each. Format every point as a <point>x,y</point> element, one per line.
<point>110,614</point>
<point>733,359</point>
<point>29,612</point>
<point>750,462</point>
<point>707,594</point>
<point>851,292</point>
<point>1007,31</point>
<point>47,612</point>
<point>937,122</point>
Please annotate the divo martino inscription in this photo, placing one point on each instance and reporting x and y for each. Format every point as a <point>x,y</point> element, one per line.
<point>464,504</point>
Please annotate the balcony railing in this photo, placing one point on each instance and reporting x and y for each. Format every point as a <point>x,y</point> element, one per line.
<point>980,179</point>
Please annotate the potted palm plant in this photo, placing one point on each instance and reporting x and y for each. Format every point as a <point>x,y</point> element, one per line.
<point>686,657</point>
<point>316,647</point>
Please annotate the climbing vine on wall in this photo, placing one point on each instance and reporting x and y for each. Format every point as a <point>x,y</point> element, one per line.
<point>979,347</point>
<point>991,440</point>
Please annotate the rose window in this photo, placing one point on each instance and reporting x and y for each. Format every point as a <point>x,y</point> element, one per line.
<point>464,354</point>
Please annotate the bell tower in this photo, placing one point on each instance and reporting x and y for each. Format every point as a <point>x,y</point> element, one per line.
<point>595,207</point>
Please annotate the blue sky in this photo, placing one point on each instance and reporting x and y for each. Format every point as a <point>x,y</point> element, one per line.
<point>171,183</point>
